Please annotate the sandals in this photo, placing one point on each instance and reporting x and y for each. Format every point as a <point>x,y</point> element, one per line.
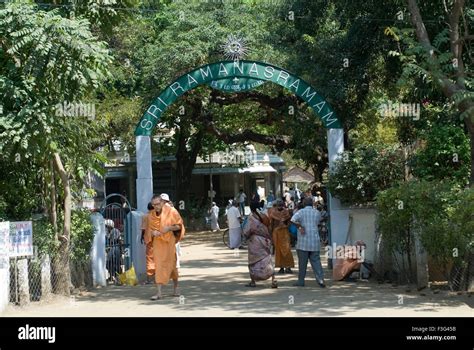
<point>156,297</point>
<point>274,284</point>
<point>251,284</point>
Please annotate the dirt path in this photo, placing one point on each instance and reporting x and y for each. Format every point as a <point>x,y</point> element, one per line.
<point>212,284</point>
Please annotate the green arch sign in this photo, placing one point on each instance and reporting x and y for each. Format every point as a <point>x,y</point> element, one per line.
<point>253,72</point>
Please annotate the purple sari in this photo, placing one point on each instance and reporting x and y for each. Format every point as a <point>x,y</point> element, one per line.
<point>259,247</point>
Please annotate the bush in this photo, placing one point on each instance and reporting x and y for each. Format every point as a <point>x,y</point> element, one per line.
<point>442,213</point>
<point>82,234</point>
<point>446,155</point>
<point>359,175</point>
<point>44,238</point>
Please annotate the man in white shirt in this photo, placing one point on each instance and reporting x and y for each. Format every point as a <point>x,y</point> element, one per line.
<point>235,230</point>
<point>240,198</point>
<point>308,244</point>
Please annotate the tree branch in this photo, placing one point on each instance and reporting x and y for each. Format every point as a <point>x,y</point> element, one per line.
<point>279,141</point>
<point>264,100</point>
<point>447,86</point>
<point>456,46</point>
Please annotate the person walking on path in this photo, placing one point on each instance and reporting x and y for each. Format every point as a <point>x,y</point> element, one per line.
<point>279,217</point>
<point>240,198</point>
<point>270,198</point>
<point>166,198</point>
<point>147,240</point>
<point>163,222</point>
<point>308,245</point>
<point>214,216</point>
<point>259,247</point>
<point>235,230</point>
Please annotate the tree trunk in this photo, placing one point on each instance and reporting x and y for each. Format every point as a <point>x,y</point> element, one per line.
<point>318,176</point>
<point>53,210</point>
<point>470,129</point>
<point>186,158</point>
<point>61,263</point>
<point>448,87</point>
<point>185,161</point>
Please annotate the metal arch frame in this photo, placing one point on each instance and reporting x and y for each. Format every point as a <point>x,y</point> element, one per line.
<point>254,70</point>
<point>219,71</point>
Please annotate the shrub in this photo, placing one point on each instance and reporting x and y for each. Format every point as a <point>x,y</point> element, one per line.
<point>446,155</point>
<point>82,234</point>
<point>359,175</point>
<point>441,212</point>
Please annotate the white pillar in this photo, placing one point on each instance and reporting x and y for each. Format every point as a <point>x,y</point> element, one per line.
<point>23,282</point>
<point>335,148</point>
<point>339,216</point>
<point>4,265</point>
<point>137,248</point>
<point>335,145</point>
<point>98,251</point>
<point>46,288</point>
<point>144,172</point>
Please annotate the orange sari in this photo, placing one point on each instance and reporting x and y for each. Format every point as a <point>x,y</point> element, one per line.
<point>281,238</point>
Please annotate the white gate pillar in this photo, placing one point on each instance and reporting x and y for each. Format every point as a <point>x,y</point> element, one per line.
<point>98,258</point>
<point>4,265</point>
<point>144,172</point>
<point>339,216</point>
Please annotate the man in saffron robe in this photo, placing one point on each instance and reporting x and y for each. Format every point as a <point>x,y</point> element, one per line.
<point>147,240</point>
<point>166,229</point>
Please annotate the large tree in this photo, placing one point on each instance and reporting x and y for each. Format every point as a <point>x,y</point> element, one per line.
<point>442,54</point>
<point>48,62</point>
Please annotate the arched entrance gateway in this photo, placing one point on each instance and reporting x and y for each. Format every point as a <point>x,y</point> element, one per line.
<point>235,76</point>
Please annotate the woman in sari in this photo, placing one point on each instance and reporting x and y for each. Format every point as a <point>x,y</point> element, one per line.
<point>279,217</point>
<point>259,247</point>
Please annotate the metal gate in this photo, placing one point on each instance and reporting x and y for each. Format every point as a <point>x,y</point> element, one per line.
<point>114,209</point>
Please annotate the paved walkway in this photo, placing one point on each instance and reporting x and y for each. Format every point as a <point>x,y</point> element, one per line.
<point>213,282</point>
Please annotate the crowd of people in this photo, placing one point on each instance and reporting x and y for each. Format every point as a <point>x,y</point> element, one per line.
<point>268,227</point>
<point>267,230</point>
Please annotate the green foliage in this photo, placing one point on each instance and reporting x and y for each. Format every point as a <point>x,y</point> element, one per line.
<point>440,212</point>
<point>82,235</point>
<point>46,60</point>
<point>20,184</point>
<point>360,174</point>
<point>44,238</point>
<point>445,155</point>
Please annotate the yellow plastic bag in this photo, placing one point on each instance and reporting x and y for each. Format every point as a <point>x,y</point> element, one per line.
<point>129,277</point>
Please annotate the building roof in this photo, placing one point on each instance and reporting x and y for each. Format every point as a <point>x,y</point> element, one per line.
<point>258,168</point>
<point>298,175</point>
<point>258,158</point>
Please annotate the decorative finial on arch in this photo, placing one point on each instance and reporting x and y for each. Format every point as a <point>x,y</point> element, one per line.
<point>235,47</point>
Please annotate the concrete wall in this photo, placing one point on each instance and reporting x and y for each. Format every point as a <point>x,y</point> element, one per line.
<point>361,227</point>
<point>227,184</point>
